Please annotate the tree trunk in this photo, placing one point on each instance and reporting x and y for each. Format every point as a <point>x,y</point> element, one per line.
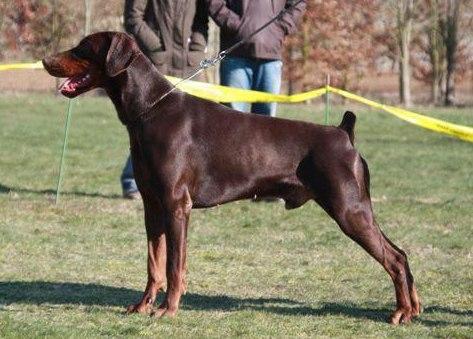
<point>404,27</point>
<point>451,44</point>
<point>435,47</point>
<point>405,74</point>
<point>88,15</point>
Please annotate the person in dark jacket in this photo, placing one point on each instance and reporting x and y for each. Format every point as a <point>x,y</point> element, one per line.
<point>173,34</point>
<point>257,63</point>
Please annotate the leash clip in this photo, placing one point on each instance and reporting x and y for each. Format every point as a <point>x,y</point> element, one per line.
<point>221,56</point>
<point>206,63</point>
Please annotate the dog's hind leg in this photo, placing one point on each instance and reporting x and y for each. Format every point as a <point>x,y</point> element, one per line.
<point>358,223</point>
<point>363,177</point>
<point>344,193</point>
<point>415,300</point>
<point>156,266</point>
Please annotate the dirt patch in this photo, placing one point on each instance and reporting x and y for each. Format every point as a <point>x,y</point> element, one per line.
<point>26,80</point>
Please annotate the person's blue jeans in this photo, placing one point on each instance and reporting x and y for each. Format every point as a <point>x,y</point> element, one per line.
<point>255,74</point>
<point>127,178</point>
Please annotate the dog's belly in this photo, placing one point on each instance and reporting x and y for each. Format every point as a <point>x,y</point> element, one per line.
<point>216,191</point>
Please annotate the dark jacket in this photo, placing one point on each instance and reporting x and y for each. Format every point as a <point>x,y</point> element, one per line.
<point>239,18</point>
<point>172,33</point>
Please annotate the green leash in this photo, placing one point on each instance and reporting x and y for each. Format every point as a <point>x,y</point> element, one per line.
<point>64,147</point>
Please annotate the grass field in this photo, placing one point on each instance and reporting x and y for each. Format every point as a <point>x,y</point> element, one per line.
<point>254,268</point>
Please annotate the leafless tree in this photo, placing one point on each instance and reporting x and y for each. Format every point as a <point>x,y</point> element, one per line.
<point>444,41</point>
<point>436,50</point>
<point>451,47</point>
<point>404,18</point>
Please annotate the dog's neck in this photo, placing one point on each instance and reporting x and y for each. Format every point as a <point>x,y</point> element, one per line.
<point>135,91</point>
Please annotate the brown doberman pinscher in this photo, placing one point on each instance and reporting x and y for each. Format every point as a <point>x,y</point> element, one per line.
<point>192,153</point>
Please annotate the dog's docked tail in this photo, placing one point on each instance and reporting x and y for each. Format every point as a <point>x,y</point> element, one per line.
<point>348,125</point>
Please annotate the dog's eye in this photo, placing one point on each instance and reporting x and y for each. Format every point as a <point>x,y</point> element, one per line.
<point>82,51</point>
<point>78,54</point>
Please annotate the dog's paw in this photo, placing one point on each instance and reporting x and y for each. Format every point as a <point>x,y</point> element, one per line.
<point>401,316</point>
<point>416,303</point>
<point>139,308</point>
<point>417,310</point>
<point>164,312</point>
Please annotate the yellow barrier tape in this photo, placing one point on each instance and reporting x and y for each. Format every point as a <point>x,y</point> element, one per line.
<point>458,131</point>
<point>228,94</point>
<point>31,65</point>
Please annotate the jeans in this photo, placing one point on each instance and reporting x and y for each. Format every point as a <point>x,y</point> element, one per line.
<point>255,74</point>
<point>127,178</point>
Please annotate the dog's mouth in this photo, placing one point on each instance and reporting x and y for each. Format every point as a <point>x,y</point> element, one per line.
<point>76,85</point>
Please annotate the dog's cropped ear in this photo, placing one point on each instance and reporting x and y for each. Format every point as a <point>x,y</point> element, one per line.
<point>121,53</point>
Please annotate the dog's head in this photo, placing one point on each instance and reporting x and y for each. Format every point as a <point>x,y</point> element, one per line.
<point>96,59</point>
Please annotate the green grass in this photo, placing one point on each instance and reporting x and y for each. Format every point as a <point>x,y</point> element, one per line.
<point>254,269</point>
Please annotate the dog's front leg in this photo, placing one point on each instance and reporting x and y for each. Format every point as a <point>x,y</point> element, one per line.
<point>155,232</point>
<point>177,219</point>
